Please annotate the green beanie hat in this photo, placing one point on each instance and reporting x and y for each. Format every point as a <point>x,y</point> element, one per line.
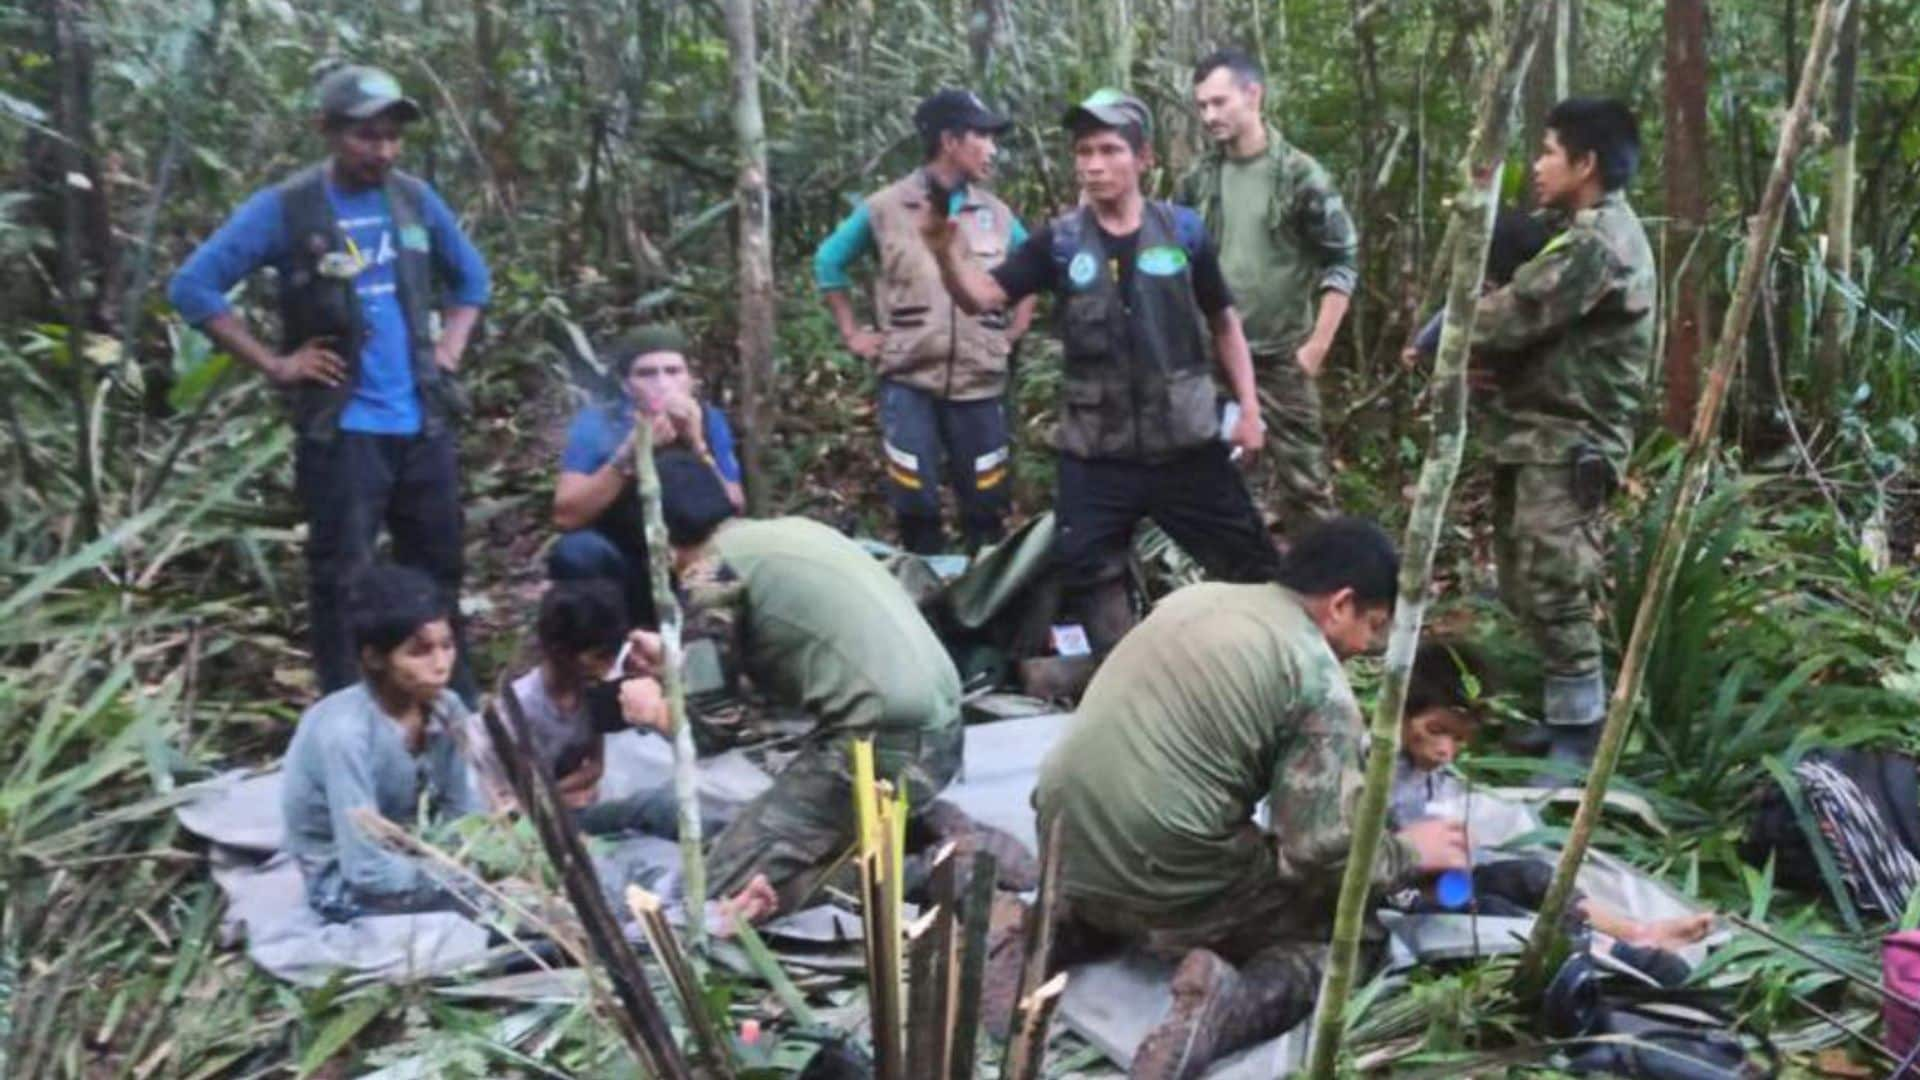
<point>658,337</point>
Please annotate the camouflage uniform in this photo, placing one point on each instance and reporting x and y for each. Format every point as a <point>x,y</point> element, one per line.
<point>1281,250</point>
<point>1569,341</point>
<point>1224,695</point>
<point>815,623</point>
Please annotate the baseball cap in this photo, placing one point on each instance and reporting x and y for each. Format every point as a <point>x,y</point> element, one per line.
<point>958,110</point>
<point>1107,107</point>
<point>358,92</point>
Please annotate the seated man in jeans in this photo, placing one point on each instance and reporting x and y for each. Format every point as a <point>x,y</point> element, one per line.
<point>596,503</point>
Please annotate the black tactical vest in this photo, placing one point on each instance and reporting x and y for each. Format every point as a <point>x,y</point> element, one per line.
<point>314,304</point>
<point>1138,382</point>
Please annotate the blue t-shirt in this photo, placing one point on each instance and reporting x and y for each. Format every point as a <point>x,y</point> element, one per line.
<point>599,429</point>
<point>384,399</point>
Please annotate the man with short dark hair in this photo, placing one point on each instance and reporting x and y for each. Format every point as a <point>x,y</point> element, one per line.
<point>358,246</point>
<point>1139,300</point>
<point>596,503</point>
<point>943,372</point>
<point>1568,342</point>
<point>1224,695</point>
<point>1287,246</point>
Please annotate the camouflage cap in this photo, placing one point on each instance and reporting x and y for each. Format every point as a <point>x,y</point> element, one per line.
<point>1107,107</point>
<point>357,92</point>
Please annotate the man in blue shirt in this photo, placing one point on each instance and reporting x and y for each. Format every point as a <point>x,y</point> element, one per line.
<point>358,248</point>
<point>595,502</point>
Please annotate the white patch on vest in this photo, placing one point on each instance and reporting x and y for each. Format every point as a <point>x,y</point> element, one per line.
<point>991,461</point>
<point>1082,269</point>
<point>901,457</point>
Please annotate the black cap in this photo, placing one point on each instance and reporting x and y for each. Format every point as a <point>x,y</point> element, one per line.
<point>356,92</point>
<point>958,110</point>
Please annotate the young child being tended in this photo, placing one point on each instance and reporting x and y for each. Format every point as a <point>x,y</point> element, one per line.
<point>385,745</point>
<point>1440,719</point>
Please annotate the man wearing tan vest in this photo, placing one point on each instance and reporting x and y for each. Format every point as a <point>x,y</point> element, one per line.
<point>943,372</point>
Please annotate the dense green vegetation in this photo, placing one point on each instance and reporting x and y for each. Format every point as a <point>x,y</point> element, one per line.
<point>151,622</point>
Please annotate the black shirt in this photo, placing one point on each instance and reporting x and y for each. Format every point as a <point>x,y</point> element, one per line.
<point>1030,269</point>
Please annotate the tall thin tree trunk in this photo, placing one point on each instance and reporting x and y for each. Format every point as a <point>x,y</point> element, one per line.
<point>1473,225</point>
<point>1685,168</point>
<point>1763,234</point>
<point>755,343</point>
<point>1836,311</point>
<point>75,183</point>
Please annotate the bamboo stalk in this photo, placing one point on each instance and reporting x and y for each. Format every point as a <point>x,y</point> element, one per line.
<point>930,969</point>
<point>686,775</point>
<point>1763,232</point>
<point>970,968</point>
<point>1836,309</point>
<point>639,1019</point>
<point>1039,928</point>
<point>1472,226</point>
<point>769,968</point>
<point>714,1043</point>
<point>1029,1048</point>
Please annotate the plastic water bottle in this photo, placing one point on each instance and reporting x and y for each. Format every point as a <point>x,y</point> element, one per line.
<point>1454,889</point>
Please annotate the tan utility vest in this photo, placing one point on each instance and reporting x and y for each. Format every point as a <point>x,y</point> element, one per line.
<point>930,343</point>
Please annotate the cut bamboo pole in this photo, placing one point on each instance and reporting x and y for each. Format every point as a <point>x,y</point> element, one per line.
<point>930,970</point>
<point>686,775</point>
<point>1763,231</point>
<point>1472,226</point>
<point>1039,928</point>
<point>970,970</point>
<point>639,1019</point>
<point>715,1044</point>
<point>881,839</point>
<point>1028,1050</point>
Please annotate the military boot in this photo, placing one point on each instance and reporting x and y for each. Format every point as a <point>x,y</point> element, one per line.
<point>1575,707</point>
<point>1217,1011</point>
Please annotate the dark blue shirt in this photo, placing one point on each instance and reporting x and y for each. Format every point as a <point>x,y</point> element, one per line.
<point>384,399</point>
<point>599,429</point>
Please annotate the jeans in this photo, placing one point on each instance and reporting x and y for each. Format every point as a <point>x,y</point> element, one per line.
<point>1198,498</point>
<point>352,484</point>
<point>589,553</point>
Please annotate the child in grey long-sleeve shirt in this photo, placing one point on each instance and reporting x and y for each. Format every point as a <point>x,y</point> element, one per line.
<point>389,744</point>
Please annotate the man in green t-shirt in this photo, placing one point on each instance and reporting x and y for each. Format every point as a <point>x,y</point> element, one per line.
<point>1287,247</point>
<point>813,623</point>
<point>1225,695</point>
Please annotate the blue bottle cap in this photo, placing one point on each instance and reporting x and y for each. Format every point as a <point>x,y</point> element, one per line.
<point>1454,889</point>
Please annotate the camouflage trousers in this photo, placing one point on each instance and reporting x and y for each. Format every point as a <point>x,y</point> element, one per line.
<point>1253,914</point>
<point>1549,547</point>
<point>1290,481</point>
<point>796,830</point>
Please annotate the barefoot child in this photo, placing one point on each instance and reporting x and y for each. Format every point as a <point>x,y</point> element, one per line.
<point>384,745</point>
<point>1440,720</point>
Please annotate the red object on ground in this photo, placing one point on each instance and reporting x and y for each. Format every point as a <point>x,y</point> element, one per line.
<point>1900,974</point>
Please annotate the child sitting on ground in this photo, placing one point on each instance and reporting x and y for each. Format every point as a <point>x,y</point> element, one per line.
<point>387,745</point>
<point>1440,719</point>
<point>571,705</point>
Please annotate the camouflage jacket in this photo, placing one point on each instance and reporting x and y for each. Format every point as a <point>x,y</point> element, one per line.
<point>1570,340</point>
<point>1310,235</point>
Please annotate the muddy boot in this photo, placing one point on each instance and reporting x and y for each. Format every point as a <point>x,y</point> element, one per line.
<point>1015,867</point>
<point>1217,1011</point>
<point>1056,678</point>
